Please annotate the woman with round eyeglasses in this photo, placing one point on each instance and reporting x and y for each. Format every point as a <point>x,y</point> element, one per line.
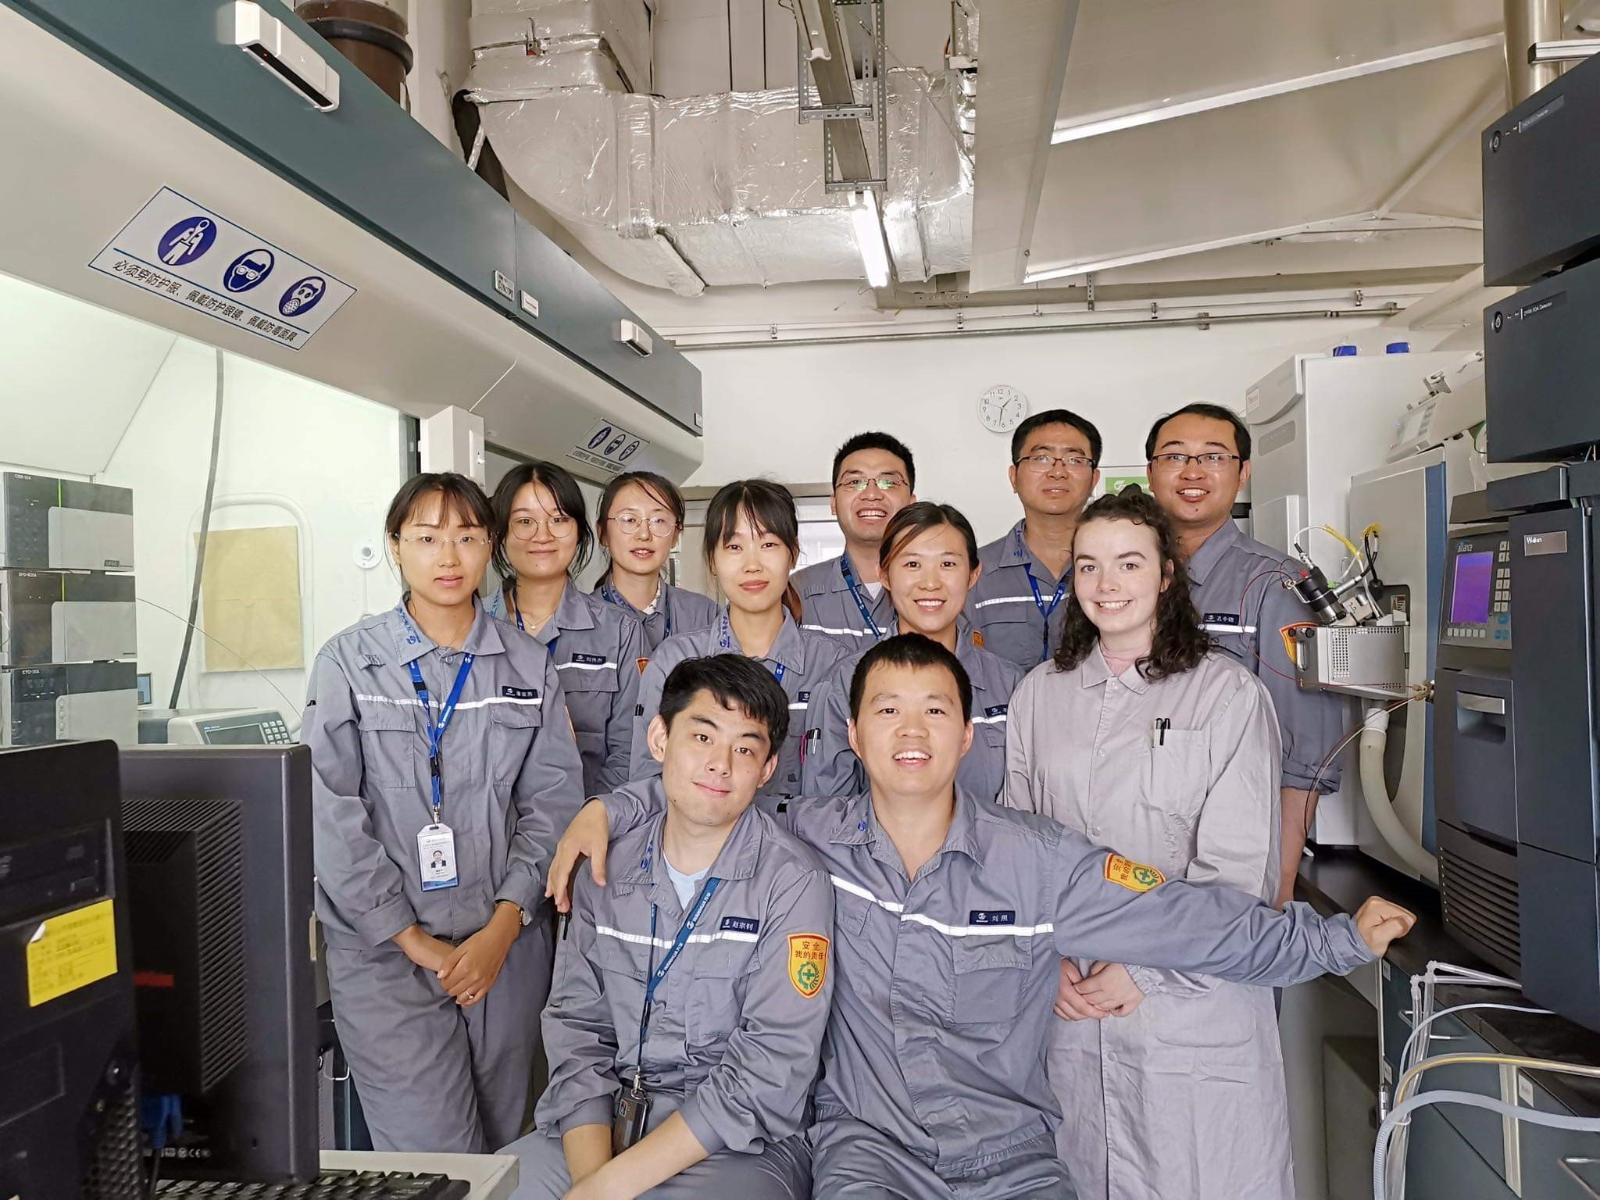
<point>440,751</point>
<point>544,539</point>
<point>928,561</point>
<point>640,519</point>
<point>1141,735</point>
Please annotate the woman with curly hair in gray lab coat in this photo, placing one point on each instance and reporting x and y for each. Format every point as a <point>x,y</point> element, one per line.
<point>1140,736</point>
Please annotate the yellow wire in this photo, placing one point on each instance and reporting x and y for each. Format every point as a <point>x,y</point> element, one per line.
<point>1348,544</point>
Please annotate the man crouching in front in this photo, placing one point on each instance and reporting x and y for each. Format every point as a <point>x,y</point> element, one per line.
<point>685,1022</point>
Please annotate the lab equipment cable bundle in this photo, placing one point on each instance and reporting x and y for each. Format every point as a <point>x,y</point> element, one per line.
<point>1388,1157</point>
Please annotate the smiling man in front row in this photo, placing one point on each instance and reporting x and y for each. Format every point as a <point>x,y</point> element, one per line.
<point>953,917</point>
<point>690,997</point>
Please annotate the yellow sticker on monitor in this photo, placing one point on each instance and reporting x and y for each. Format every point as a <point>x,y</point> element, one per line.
<point>808,962</point>
<point>71,952</point>
<point>1136,877</point>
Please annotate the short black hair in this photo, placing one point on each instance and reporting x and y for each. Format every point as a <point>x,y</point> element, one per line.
<point>460,496</point>
<point>1056,416</point>
<point>918,518</point>
<point>1241,431</point>
<point>736,682</point>
<point>876,441</point>
<point>569,503</point>
<point>909,650</point>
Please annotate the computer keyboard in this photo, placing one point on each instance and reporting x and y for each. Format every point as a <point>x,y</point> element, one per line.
<point>329,1185</point>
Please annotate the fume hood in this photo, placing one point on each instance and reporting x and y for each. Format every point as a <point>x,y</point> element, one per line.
<point>448,297</point>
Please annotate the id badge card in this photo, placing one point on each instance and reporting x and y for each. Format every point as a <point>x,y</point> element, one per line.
<point>436,851</point>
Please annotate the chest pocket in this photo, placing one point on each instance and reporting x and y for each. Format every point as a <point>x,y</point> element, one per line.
<point>718,982</point>
<point>591,693</point>
<point>392,744</point>
<point>1177,775</point>
<point>512,728</point>
<point>989,976</point>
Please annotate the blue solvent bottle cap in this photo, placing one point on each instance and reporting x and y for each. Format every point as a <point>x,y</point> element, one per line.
<point>1344,351</point>
<point>1397,348</point>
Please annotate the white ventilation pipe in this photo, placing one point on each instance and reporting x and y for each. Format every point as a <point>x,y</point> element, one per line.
<point>1380,806</point>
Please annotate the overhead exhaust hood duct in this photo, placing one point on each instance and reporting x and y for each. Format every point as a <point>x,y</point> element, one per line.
<point>717,190</point>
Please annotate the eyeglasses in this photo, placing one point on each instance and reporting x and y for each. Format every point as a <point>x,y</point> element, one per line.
<point>559,526</point>
<point>630,524</point>
<point>434,543</point>
<point>1211,461</point>
<point>884,483</point>
<point>1048,462</point>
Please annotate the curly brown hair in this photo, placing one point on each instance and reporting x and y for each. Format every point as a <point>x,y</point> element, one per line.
<point>1179,642</point>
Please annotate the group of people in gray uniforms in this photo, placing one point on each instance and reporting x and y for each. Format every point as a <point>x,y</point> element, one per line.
<point>931,870</point>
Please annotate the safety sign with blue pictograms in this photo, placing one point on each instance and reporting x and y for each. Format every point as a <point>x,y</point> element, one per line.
<point>609,447</point>
<point>180,250</point>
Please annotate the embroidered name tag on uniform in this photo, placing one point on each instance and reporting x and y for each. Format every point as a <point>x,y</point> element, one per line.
<point>516,693</point>
<point>997,710</point>
<point>371,660</point>
<point>808,962</point>
<point>1229,619</point>
<point>992,916</point>
<point>740,925</point>
<point>803,698</point>
<point>590,660</point>
<point>1136,877</point>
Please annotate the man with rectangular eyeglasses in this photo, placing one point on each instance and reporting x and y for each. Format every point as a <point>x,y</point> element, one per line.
<point>1019,602</point>
<point>1199,458</point>
<point>842,598</point>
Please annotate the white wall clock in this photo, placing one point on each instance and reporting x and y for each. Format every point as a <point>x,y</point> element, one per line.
<point>1002,408</point>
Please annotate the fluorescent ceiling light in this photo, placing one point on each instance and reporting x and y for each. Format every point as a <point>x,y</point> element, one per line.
<point>869,237</point>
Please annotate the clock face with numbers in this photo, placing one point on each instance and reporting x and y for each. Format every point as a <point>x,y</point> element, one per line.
<point>1002,408</point>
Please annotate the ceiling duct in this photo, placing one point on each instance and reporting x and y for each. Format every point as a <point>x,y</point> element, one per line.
<point>714,190</point>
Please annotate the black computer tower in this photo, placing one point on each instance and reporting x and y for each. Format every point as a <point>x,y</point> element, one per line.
<point>69,1122</point>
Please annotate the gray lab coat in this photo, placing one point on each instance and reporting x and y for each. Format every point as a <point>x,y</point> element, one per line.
<point>1002,606</point>
<point>1185,1095</point>
<point>828,608</point>
<point>676,610</point>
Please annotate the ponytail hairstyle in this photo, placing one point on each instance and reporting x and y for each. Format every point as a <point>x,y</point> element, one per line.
<point>769,508</point>
<point>1179,643</point>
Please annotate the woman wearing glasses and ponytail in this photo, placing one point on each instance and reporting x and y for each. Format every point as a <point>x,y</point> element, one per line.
<point>543,539</point>
<point>751,543</point>
<point>640,520</point>
<point>443,766</point>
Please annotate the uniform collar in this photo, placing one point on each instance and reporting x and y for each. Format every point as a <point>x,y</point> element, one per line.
<point>658,605</point>
<point>1016,547</point>
<point>573,612</point>
<point>412,643</point>
<point>788,647</point>
<point>736,860</point>
<point>1211,550</point>
<point>1093,671</point>
<point>859,827</point>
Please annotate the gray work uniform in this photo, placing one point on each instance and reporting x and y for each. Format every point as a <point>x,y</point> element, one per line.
<point>842,608</point>
<point>433,1076</point>
<point>735,1034</point>
<point>1184,1096</point>
<point>1003,607</point>
<point>676,610</point>
<point>942,1007</point>
<point>798,660</point>
<point>828,766</point>
<point>1235,583</point>
<point>599,652</point>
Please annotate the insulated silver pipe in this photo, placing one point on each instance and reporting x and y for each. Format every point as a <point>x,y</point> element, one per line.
<point>1527,22</point>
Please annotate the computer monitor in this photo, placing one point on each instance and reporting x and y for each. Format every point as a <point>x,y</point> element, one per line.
<point>258,1120</point>
<point>68,1106</point>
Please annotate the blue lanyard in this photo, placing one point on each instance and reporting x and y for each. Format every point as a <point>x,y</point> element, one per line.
<point>850,581</point>
<point>1038,599</point>
<point>725,641</point>
<point>663,604</point>
<point>696,911</point>
<point>436,728</point>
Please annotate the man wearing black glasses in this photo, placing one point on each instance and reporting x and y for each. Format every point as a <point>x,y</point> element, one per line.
<point>1199,458</point>
<point>1020,600</point>
<point>842,598</point>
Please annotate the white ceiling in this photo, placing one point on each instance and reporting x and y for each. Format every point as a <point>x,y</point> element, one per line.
<point>1125,133</point>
